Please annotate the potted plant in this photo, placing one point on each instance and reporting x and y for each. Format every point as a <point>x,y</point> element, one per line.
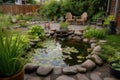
<point>115,64</point>
<point>11,61</point>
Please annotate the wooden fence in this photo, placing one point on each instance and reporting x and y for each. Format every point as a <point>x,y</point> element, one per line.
<point>18,9</point>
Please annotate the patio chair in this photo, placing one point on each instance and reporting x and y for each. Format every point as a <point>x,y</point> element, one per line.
<point>83,18</point>
<point>69,18</point>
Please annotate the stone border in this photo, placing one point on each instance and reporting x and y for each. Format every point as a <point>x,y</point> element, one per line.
<point>92,60</point>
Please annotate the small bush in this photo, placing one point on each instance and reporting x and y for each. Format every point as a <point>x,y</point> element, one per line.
<point>36,31</point>
<point>95,33</point>
<point>108,19</point>
<point>64,25</point>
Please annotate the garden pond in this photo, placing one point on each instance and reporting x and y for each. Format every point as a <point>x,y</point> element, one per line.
<point>53,52</point>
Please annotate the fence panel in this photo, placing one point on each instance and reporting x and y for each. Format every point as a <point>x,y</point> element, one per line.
<point>18,9</point>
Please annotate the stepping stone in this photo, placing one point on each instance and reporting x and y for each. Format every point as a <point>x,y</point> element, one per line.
<point>64,77</point>
<point>57,70</point>
<point>88,64</point>
<point>82,77</point>
<point>81,69</point>
<point>30,68</point>
<point>110,78</point>
<point>33,78</point>
<point>95,76</point>
<point>44,70</point>
<point>70,70</point>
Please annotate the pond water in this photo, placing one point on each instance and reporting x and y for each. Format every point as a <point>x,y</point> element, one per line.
<point>59,53</point>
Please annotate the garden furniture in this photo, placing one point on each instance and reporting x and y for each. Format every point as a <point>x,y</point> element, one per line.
<point>69,17</point>
<point>83,18</point>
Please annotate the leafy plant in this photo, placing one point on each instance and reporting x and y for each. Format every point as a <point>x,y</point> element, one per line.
<point>11,61</point>
<point>108,19</point>
<point>69,50</point>
<point>36,31</point>
<point>115,61</point>
<point>96,33</point>
<point>64,25</point>
<point>5,20</point>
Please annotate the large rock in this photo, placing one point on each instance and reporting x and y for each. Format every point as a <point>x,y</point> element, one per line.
<point>78,33</point>
<point>57,70</point>
<point>77,38</point>
<point>97,49</point>
<point>93,41</point>
<point>81,69</point>
<point>82,77</point>
<point>97,59</point>
<point>94,52</point>
<point>88,64</point>
<point>93,45</point>
<point>85,40</point>
<point>70,70</point>
<point>30,68</point>
<point>44,70</point>
<point>95,76</point>
<point>64,77</point>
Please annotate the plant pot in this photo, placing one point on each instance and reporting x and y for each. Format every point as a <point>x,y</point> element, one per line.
<point>18,76</point>
<point>114,72</point>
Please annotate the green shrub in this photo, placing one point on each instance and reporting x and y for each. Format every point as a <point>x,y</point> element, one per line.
<point>96,16</point>
<point>108,19</point>
<point>64,25</point>
<point>95,33</point>
<point>36,31</point>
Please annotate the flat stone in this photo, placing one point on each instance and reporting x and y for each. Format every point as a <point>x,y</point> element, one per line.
<point>33,78</point>
<point>97,59</point>
<point>97,48</point>
<point>95,76</point>
<point>82,77</point>
<point>57,70</point>
<point>81,69</point>
<point>102,41</point>
<point>93,45</point>
<point>107,78</point>
<point>85,40</point>
<point>64,77</point>
<point>30,68</point>
<point>93,41</point>
<point>44,70</point>
<point>88,64</point>
<point>78,33</point>
<point>77,38</point>
<point>89,56</point>
<point>70,70</point>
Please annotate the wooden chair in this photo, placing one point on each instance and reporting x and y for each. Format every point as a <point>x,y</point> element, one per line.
<point>83,18</point>
<point>69,18</point>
